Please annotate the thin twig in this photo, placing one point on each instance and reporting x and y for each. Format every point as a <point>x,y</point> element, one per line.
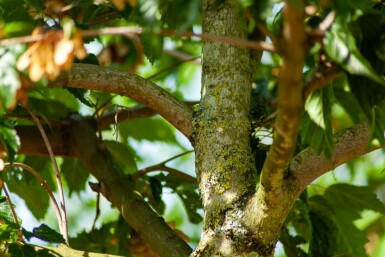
<point>183,56</point>
<point>64,228</point>
<point>102,19</point>
<point>97,214</point>
<point>243,43</point>
<point>162,167</point>
<point>171,67</point>
<point>15,219</point>
<point>239,42</point>
<point>268,33</point>
<point>125,113</point>
<point>320,79</point>
<point>21,40</point>
<point>44,185</point>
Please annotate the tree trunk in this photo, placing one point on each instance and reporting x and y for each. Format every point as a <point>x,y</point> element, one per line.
<point>224,164</point>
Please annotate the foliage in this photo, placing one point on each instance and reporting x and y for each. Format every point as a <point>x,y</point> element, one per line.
<point>165,50</point>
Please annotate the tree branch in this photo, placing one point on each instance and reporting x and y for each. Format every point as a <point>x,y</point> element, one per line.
<point>308,165</point>
<point>128,84</point>
<point>78,139</point>
<point>268,208</point>
<point>290,101</point>
<point>124,114</point>
<point>119,189</point>
<point>321,79</point>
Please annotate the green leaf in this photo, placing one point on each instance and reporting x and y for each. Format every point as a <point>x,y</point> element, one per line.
<point>290,244</point>
<point>187,191</point>
<point>340,45</point>
<point>17,28</point>
<point>110,237</point>
<point>81,95</point>
<point>91,12</point>
<point>47,234</point>
<point>152,45</point>
<point>8,233</point>
<point>44,253</point>
<point>6,216</point>
<point>156,189</point>
<point>333,232</point>
<point>122,155</point>
<point>347,100</point>
<point>10,13</point>
<point>342,5</point>
<point>378,124</point>
<point>9,138</point>
<point>30,191</point>
<point>188,13</point>
<point>152,129</point>
<point>38,5</point>
<point>298,218</point>
<point>75,173</point>
<point>8,75</point>
<point>47,108</point>
<point>43,165</point>
<point>335,212</point>
<point>318,106</point>
<point>322,229</point>
<point>21,250</point>
<point>320,140</point>
<point>352,199</point>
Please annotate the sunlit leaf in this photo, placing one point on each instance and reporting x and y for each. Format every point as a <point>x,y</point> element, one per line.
<point>9,138</point>
<point>6,216</point>
<point>9,78</point>
<point>30,191</point>
<point>8,233</point>
<point>17,28</point>
<point>81,95</point>
<point>319,139</point>
<point>318,107</point>
<point>341,46</point>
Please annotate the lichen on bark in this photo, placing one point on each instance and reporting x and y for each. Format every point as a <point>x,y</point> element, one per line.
<point>221,133</point>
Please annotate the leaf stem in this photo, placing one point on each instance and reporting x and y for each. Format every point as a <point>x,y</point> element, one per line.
<point>162,167</point>
<point>19,234</point>
<point>63,223</point>
<point>44,185</point>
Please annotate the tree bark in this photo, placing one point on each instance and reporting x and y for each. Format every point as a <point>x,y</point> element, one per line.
<point>224,163</point>
<point>123,83</point>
